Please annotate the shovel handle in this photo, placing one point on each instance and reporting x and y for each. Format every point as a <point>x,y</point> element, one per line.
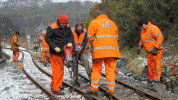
<point>155,66</point>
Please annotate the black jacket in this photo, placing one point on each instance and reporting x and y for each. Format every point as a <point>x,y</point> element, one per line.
<point>57,36</point>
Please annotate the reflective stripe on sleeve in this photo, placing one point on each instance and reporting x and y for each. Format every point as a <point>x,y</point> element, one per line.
<point>159,42</point>
<point>157,35</point>
<point>90,35</point>
<point>105,47</point>
<point>45,48</point>
<point>105,36</point>
<point>147,40</point>
<point>78,41</point>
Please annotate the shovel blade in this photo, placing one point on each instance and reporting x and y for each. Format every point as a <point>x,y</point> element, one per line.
<point>159,87</point>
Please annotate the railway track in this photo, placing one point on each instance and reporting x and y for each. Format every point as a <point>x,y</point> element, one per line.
<point>44,78</point>
<point>123,89</point>
<point>132,93</point>
<point>84,82</point>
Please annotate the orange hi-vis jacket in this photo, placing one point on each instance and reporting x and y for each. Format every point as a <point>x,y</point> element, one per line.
<point>45,46</point>
<point>79,41</point>
<point>14,43</point>
<point>150,39</point>
<point>103,36</point>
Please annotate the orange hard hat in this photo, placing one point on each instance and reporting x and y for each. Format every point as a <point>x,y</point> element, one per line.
<point>63,18</point>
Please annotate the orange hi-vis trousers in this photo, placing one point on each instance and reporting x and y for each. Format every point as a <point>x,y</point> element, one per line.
<point>43,55</point>
<point>57,64</point>
<point>152,73</point>
<point>15,55</point>
<point>110,67</point>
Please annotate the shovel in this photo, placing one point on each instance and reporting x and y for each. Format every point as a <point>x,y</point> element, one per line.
<point>159,87</point>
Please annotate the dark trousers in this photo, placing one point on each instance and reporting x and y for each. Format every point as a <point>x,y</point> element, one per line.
<point>82,57</point>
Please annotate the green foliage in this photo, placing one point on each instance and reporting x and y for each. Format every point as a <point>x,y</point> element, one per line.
<point>125,13</point>
<point>87,22</point>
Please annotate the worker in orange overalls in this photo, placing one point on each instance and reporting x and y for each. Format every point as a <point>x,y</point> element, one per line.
<point>80,41</point>
<point>103,37</point>
<point>58,35</point>
<point>15,46</point>
<point>45,46</point>
<point>151,40</point>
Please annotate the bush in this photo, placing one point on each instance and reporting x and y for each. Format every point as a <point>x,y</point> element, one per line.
<point>125,14</point>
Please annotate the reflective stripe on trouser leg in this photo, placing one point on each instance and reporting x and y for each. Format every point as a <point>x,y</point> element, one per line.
<point>57,64</point>
<point>110,67</point>
<point>96,74</point>
<point>158,65</point>
<point>155,57</point>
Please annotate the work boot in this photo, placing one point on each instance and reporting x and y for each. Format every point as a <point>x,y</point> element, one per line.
<point>41,61</point>
<point>17,61</point>
<point>93,93</point>
<point>58,92</point>
<point>156,81</point>
<point>109,96</point>
<point>62,88</point>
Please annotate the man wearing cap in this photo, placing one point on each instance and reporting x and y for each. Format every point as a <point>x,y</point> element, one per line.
<point>15,46</point>
<point>103,37</point>
<point>45,46</point>
<point>80,40</point>
<point>151,40</point>
<point>58,34</point>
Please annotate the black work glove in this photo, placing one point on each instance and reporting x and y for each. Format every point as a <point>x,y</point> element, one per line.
<point>139,49</point>
<point>154,51</point>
